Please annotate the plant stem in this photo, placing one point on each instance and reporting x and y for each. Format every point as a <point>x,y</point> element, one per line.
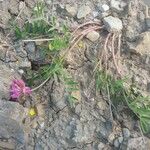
<point>41,84</point>
<point>37,40</point>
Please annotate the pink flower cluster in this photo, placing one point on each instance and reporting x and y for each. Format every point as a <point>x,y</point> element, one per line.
<point>18,89</point>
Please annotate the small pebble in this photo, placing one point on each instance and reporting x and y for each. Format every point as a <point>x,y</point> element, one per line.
<point>113,24</point>
<point>40,110</point>
<point>120,139</point>
<point>34,124</point>
<point>61,6</point>
<point>104,14</point>
<point>116,143</point>
<point>72,10</point>
<point>101,146</point>
<point>42,125</point>
<point>95,14</point>
<point>83,12</point>
<point>126,132</point>
<point>21,72</point>
<point>24,63</point>
<point>102,105</point>
<point>117,5</point>
<point>93,36</point>
<point>104,8</point>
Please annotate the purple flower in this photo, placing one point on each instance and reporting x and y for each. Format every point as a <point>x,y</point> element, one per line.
<point>18,89</point>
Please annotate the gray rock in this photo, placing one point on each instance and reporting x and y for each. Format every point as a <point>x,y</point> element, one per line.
<point>72,10</point>
<point>30,48</point>
<point>21,64</point>
<point>116,143</point>
<point>83,132</point>
<point>46,148</point>
<point>148,87</point>
<point>30,147</point>
<point>58,103</point>
<point>101,146</point>
<point>13,129</point>
<point>83,11</point>
<point>21,71</point>
<point>126,132</point>
<point>142,44</point>
<point>2,49</point>
<point>5,16</point>
<point>22,54</point>
<point>6,77</point>
<point>7,52</point>
<point>13,7</point>
<point>4,133</point>
<point>2,53</point>
<point>93,36</point>
<point>104,14</point>
<point>102,105</point>
<point>120,139</point>
<point>19,50</point>
<point>30,4</point>
<point>16,110</point>
<point>104,8</point>
<point>117,5</point>
<point>34,53</point>
<point>78,109</point>
<point>62,6</point>
<point>105,130</point>
<point>11,56</point>
<point>95,13</point>
<point>67,130</point>
<point>113,24</point>
<point>38,147</point>
<point>24,63</point>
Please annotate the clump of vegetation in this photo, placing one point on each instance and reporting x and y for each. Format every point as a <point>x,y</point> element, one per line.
<point>56,41</point>
<point>41,27</point>
<point>119,93</point>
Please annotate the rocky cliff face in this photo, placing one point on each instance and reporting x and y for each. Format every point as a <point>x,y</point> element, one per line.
<point>11,128</point>
<point>94,123</point>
